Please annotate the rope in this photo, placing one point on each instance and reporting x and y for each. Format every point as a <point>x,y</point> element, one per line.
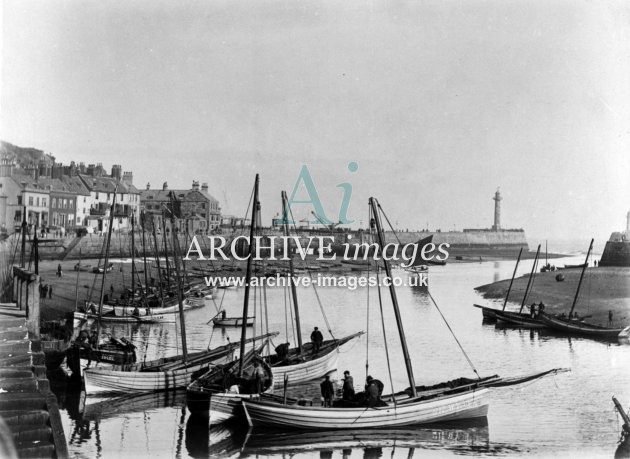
<point>321,307</point>
<point>380,304</point>
<point>455,337</point>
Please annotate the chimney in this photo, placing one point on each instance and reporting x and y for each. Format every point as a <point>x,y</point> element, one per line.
<point>127,178</point>
<point>57,170</point>
<point>6,167</point>
<point>165,186</point>
<point>90,169</point>
<point>117,171</point>
<point>195,185</point>
<point>148,186</point>
<point>204,187</point>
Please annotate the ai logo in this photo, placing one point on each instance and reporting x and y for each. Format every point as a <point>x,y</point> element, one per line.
<point>307,180</point>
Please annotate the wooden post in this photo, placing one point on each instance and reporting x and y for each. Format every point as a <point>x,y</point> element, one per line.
<point>285,220</point>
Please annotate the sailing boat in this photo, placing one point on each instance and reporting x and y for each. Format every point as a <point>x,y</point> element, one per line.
<point>162,374</point>
<point>444,402</point>
<point>489,314</point>
<point>221,390</point>
<point>418,264</point>
<point>302,363</point>
<point>575,326</point>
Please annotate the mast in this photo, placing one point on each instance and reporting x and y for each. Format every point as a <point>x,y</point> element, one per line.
<point>109,239</point>
<point>512,280</point>
<point>529,281</point>
<point>577,292</point>
<point>248,277</point>
<point>392,292</point>
<point>133,256</point>
<point>180,293</point>
<point>157,259</point>
<point>144,255</point>
<point>168,269</point>
<point>285,219</point>
<point>76,295</point>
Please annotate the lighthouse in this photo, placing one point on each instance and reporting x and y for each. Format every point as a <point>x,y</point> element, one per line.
<point>497,211</point>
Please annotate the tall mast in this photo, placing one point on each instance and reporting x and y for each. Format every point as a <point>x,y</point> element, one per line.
<point>512,280</point>
<point>180,293</point>
<point>392,292</point>
<point>529,281</point>
<point>133,256</point>
<point>157,259</point>
<point>285,220</point>
<point>577,292</point>
<point>109,239</point>
<point>248,276</point>
<point>144,255</point>
<point>168,269</point>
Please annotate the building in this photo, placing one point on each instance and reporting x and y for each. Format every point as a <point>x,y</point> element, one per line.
<point>196,210</point>
<point>21,194</point>
<point>101,194</point>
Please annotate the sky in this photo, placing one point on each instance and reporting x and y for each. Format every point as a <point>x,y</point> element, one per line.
<point>437,102</point>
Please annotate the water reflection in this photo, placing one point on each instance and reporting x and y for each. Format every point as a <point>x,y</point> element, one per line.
<point>454,437</point>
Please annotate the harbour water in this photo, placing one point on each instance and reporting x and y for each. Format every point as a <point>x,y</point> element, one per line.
<point>569,415</point>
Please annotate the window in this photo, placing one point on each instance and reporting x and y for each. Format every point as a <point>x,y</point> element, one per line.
<point>37,201</point>
<point>44,202</point>
<point>70,204</point>
<point>54,202</point>
<point>19,200</point>
<point>30,200</point>
<point>97,195</point>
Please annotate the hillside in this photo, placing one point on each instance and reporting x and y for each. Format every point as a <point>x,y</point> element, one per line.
<point>23,156</point>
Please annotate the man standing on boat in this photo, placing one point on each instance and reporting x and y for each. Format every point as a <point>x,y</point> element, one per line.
<point>317,339</point>
<point>259,376</point>
<point>328,391</point>
<point>348,386</point>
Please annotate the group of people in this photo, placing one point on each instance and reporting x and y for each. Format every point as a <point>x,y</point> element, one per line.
<point>45,291</point>
<point>371,396</point>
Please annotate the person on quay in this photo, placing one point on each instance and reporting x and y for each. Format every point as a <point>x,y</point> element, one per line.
<point>532,310</point>
<point>610,317</point>
<point>348,386</point>
<point>317,339</point>
<point>59,270</point>
<point>541,309</point>
<point>328,391</point>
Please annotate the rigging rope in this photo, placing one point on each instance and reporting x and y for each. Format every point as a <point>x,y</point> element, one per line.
<point>455,337</point>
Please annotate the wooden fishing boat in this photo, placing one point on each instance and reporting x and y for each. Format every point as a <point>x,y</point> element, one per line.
<point>80,317</point>
<point>163,374</point>
<point>581,328</point>
<point>232,321</point>
<point>581,265</point>
<point>406,411</point>
<point>624,336</point>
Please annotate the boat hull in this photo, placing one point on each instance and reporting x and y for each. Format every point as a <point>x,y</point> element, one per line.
<point>575,327</point>
<point>469,405</point>
<point>232,322</point>
<point>104,380</point>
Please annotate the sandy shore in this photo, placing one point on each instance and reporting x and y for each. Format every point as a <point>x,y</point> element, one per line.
<point>603,289</point>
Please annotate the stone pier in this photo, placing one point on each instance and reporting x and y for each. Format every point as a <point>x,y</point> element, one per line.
<point>30,423</point>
